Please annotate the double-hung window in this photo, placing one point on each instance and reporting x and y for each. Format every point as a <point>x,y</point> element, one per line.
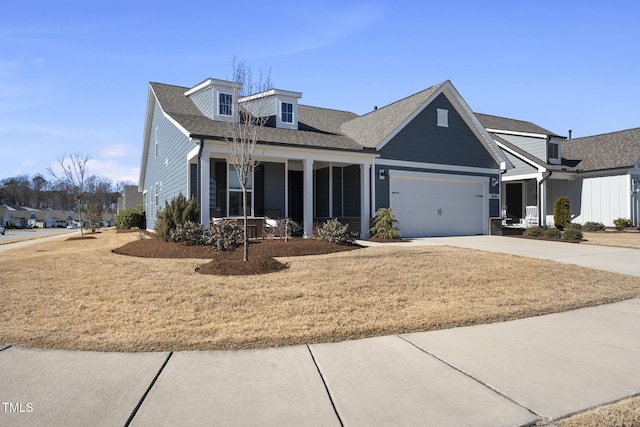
<point>225,104</point>
<point>235,193</point>
<point>287,112</point>
<point>552,150</point>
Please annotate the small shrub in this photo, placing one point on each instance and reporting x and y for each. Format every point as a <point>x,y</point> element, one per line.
<point>178,212</point>
<point>574,226</point>
<point>284,228</point>
<point>189,233</point>
<point>561,212</point>
<point>553,233</point>
<point>335,232</point>
<point>593,226</point>
<point>384,225</point>
<point>223,235</point>
<point>533,232</point>
<point>130,218</point>
<point>572,234</point>
<point>622,223</point>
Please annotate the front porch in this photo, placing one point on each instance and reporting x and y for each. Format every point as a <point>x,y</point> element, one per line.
<point>306,190</point>
<point>529,200</point>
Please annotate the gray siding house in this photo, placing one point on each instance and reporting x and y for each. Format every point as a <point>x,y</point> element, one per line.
<point>426,156</point>
<point>600,174</point>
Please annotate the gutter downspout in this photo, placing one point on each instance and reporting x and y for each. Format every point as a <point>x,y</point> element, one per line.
<point>549,173</point>
<point>199,178</point>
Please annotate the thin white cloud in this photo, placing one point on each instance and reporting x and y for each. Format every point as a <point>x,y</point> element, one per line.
<point>113,170</point>
<point>325,26</point>
<point>118,150</point>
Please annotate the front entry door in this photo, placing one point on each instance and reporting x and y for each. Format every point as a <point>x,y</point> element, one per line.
<point>514,200</point>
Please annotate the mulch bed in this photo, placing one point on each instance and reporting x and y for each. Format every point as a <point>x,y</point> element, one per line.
<point>80,238</point>
<point>227,263</point>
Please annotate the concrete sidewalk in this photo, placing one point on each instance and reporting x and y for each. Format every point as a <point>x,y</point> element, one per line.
<point>608,258</point>
<point>507,374</point>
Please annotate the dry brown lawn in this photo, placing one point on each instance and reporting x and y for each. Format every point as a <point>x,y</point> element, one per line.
<point>625,413</point>
<point>80,295</point>
<point>623,240</point>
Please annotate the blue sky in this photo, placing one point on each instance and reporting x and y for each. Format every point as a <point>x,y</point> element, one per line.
<point>74,75</point>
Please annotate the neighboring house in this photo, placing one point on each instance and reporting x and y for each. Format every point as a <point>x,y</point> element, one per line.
<point>131,197</point>
<point>607,177</point>
<point>6,214</point>
<point>600,174</point>
<point>426,156</point>
<point>109,219</point>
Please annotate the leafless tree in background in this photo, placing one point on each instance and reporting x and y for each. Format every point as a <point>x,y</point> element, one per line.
<point>73,176</point>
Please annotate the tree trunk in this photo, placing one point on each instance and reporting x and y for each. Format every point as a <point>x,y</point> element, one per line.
<point>246,236</point>
<point>81,222</point>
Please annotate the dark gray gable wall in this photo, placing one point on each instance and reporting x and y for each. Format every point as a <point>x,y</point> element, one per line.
<point>168,168</point>
<point>422,140</point>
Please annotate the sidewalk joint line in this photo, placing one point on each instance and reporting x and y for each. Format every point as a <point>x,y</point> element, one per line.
<point>144,396</point>
<point>6,348</point>
<point>326,387</point>
<point>425,351</point>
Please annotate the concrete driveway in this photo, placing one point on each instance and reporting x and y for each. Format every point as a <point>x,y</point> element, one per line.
<point>617,260</point>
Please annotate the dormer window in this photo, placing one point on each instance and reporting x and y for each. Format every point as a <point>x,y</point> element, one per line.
<point>276,105</point>
<point>225,106</point>
<point>287,112</point>
<point>215,99</point>
<point>552,150</point>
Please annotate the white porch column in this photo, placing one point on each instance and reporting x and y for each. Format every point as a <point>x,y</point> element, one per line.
<point>365,205</point>
<point>330,190</point>
<point>205,168</point>
<point>286,189</point>
<point>308,198</point>
<point>542,186</point>
<point>372,195</point>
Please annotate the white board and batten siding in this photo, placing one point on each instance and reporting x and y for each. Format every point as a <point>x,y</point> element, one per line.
<point>435,204</point>
<point>604,199</point>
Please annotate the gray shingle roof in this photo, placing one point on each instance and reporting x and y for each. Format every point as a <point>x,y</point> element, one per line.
<point>372,128</point>
<point>607,151</point>
<point>318,127</point>
<point>503,123</point>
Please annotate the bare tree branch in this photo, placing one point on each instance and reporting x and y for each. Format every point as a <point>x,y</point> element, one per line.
<point>73,177</point>
<point>244,126</point>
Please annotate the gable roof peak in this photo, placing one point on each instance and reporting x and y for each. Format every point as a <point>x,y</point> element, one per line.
<point>429,90</point>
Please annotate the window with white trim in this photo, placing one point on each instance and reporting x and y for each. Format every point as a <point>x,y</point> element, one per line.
<point>156,141</point>
<point>443,117</point>
<point>157,196</point>
<point>225,105</point>
<point>235,193</point>
<point>553,150</point>
<point>287,112</point>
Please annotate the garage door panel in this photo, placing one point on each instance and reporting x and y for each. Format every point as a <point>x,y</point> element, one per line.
<point>438,207</point>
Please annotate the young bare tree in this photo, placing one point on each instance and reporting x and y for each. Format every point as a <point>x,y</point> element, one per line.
<point>73,176</point>
<point>244,129</point>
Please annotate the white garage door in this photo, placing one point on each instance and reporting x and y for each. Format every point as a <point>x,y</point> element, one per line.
<point>427,204</point>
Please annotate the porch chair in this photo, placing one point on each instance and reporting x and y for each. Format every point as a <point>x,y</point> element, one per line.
<point>531,217</point>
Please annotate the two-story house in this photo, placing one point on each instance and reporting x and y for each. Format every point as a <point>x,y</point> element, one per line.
<point>427,156</point>
<point>600,174</point>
